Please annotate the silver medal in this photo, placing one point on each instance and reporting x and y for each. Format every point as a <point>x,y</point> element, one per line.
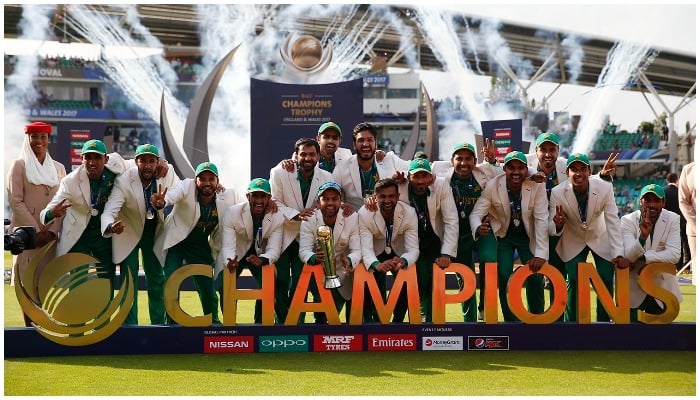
<point>516,222</point>
<point>149,214</point>
<point>387,250</point>
<point>584,225</point>
<point>463,214</point>
<point>94,212</point>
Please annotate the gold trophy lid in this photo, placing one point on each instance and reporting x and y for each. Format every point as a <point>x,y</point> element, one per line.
<point>324,231</point>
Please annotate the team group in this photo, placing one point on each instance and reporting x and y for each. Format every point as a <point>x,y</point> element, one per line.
<point>385,213</point>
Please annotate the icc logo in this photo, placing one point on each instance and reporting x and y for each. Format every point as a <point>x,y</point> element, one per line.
<point>71,302</point>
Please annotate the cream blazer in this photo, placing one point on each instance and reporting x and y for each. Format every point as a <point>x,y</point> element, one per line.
<point>286,192</point>
<point>664,245</point>
<point>238,235</point>
<point>603,235</point>
<point>126,203</point>
<point>442,212</point>
<point>185,215</point>
<point>404,236</point>
<point>533,207</point>
<point>75,188</point>
<point>346,240</point>
<point>347,175</point>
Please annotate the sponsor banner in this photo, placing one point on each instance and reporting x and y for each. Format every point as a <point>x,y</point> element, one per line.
<point>391,342</point>
<point>283,344</point>
<point>229,344</point>
<point>507,135</point>
<point>337,342</point>
<point>488,343</point>
<point>443,343</point>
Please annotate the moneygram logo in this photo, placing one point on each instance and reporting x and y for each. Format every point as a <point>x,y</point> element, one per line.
<point>337,342</point>
<point>488,343</point>
<point>443,343</point>
<point>393,342</point>
<point>228,344</point>
<point>283,344</point>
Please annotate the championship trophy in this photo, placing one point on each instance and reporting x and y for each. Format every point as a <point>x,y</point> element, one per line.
<point>325,242</point>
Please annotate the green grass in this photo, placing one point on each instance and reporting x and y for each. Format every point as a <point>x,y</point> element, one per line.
<point>360,374</point>
<point>505,373</point>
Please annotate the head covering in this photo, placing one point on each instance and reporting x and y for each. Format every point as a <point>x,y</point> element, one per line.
<point>515,156</point>
<point>147,149</point>
<point>206,166</point>
<point>577,157</point>
<point>420,154</point>
<point>36,172</point>
<point>259,185</point>
<point>327,186</point>
<point>656,189</point>
<point>329,125</point>
<point>94,146</point>
<point>37,127</point>
<point>461,146</point>
<point>547,137</point>
<point>419,164</point>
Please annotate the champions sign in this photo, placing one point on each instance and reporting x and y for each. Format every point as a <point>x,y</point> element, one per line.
<point>72,305</point>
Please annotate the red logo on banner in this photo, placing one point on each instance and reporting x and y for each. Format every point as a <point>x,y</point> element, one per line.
<point>337,342</point>
<point>502,133</point>
<point>502,151</point>
<point>228,344</point>
<point>394,342</point>
<point>80,135</point>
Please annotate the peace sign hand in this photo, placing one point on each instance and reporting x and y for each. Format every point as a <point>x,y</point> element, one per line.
<point>60,209</point>
<point>610,168</point>
<point>489,153</point>
<point>158,199</point>
<point>559,218</point>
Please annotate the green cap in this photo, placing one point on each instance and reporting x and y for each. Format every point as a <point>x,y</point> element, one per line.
<point>206,166</point>
<point>329,125</point>
<point>547,137</point>
<point>656,189</point>
<point>465,145</point>
<point>580,157</point>
<point>147,149</point>
<point>259,185</point>
<point>326,186</point>
<point>94,146</point>
<point>515,155</point>
<point>419,164</point>
<point>420,154</point>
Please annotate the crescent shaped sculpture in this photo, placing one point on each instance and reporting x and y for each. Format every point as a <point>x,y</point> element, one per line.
<point>194,141</point>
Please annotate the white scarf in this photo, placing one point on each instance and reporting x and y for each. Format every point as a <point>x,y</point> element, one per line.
<point>38,173</point>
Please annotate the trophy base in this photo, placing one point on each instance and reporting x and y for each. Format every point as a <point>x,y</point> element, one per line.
<point>332,282</point>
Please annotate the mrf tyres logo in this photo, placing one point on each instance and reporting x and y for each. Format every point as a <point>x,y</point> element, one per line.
<point>443,343</point>
<point>283,344</point>
<point>228,344</point>
<point>392,342</point>
<point>488,343</point>
<point>337,342</point>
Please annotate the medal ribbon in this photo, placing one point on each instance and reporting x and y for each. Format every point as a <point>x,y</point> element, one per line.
<point>95,201</point>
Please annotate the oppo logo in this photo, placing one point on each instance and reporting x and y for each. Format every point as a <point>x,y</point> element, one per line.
<point>283,344</point>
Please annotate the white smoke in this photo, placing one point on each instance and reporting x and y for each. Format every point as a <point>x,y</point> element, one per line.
<point>136,75</point>
<point>574,64</point>
<point>624,63</point>
<point>20,92</point>
<point>440,32</point>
